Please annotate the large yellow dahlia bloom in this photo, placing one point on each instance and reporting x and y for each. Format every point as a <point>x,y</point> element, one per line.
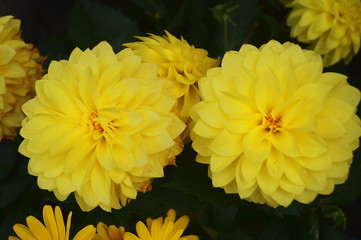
<point>100,126</point>
<point>331,27</point>
<point>52,229</point>
<point>20,66</point>
<point>272,127</point>
<point>180,63</point>
<point>161,229</point>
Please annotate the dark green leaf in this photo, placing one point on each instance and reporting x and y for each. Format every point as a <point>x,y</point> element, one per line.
<point>93,22</point>
<point>274,230</point>
<point>329,233</point>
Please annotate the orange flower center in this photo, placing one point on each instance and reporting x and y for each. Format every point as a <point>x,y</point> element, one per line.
<point>272,124</point>
<point>94,121</point>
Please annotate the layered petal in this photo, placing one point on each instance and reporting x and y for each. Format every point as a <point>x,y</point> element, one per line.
<point>287,135</point>
<point>103,132</point>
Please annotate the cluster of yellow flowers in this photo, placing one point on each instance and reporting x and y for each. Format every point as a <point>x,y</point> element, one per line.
<point>270,124</point>
<point>54,228</point>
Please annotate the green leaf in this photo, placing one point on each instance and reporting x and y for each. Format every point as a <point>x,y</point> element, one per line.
<point>275,229</point>
<point>289,227</point>
<point>93,22</point>
<point>329,233</point>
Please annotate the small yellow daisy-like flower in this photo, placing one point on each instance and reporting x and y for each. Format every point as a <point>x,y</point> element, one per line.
<point>279,129</point>
<point>109,233</point>
<point>20,66</point>
<point>52,229</point>
<point>162,229</point>
<point>180,63</point>
<point>331,27</point>
<point>101,127</point>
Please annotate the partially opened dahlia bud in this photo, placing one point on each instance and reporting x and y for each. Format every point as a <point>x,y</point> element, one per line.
<point>180,63</point>
<point>101,127</point>
<point>331,27</point>
<point>272,127</point>
<point>20,66</point>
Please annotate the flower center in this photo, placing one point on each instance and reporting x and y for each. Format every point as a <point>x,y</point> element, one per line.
<point>93,121</point>
<point>348,12</point>
<point>272,124</point>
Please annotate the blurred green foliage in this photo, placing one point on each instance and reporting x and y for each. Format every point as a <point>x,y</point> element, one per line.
<point>216,26</point>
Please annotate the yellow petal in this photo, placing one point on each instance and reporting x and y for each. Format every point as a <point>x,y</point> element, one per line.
<point>203,129</point>
<point>131,236</point>
<point>86,233</point>
<point>308,18</point>
<point>6,54</point>
<point>215,119</point>
<point>285,142</point>
<point>282,197</point>
<point>13,70</point>
<point>310,144</point>
<point>248,169</point>
<point>316,181</point>
<point>306,196</point>
<point>275,164</point>
<point>24,232</point>
<point>338,109</point>
<point>266,183</point>
<point>268,93</point>
<point>294,172</point>
<point>142,231</point>
<point>308,73</point>
<point>219,163</point>
<point>339,170</point>
<point>63,230</point>
<point>37,228</point>
<point>256,148</point>
<point>224,177</point>
<point>234,105</point>
<point>227,144</point>
<point>49,221</point>
<point>100,183</point>
<point>320,163</point>
<point>104,154</point>
<point>290,187</point>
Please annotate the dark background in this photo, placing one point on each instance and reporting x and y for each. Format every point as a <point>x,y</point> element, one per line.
<point>56,27</point>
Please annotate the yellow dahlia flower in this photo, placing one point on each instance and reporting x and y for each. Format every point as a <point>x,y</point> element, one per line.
<point>52,229</point>
<point>161,229</point>
<point>180,63</point>
<point>20,66</point>
<point>272,127</point>
<point>108,233</point>
<point>101,127</point>
<point>331,27</point>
